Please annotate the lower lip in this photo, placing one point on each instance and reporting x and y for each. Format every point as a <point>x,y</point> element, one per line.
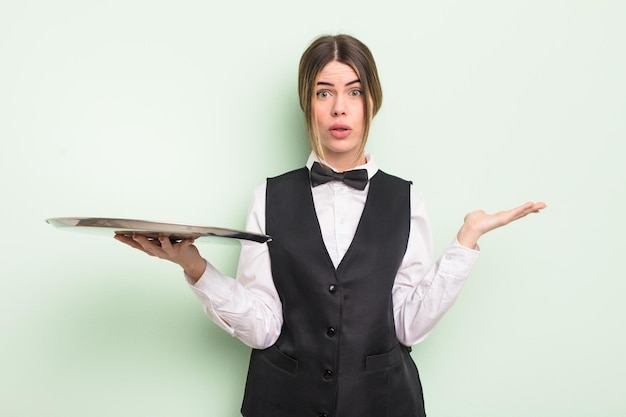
<point>340,134</point>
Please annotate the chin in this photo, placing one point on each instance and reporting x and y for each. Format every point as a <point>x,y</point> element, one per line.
<point>342,148</point>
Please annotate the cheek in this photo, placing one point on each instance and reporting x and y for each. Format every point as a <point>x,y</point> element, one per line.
<point>314,113</point>
<point>319,111</point>
<point>358,110</point>
<point>315,118</point>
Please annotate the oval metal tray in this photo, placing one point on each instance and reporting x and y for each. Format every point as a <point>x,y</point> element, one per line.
<point>151,229</point>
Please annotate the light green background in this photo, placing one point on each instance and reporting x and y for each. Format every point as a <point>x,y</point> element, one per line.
<point>127,108</point>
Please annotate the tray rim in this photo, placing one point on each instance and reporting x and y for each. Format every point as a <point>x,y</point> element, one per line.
<point>154,228</point>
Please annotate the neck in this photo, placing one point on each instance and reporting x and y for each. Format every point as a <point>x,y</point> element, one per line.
<point>344,162</point>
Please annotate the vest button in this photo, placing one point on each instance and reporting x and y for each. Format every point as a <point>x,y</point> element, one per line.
<point>328,374</point>
<point>332,288</point>
<point>331,331</point>
<point>322,415</point>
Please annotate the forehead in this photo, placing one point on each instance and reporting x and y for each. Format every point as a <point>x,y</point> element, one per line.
<point>337,72</point>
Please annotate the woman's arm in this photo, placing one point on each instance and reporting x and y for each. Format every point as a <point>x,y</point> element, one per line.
<point>425,289</point>
<point>249,307</point>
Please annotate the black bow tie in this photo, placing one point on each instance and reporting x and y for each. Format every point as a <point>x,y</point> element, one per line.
<point>321,175</point>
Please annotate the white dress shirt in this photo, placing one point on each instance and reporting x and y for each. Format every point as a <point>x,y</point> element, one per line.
<point>249,307</point>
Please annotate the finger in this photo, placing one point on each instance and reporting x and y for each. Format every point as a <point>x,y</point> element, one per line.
<point>151,247</point>
<point>166,244</point>
<point>128,241</point>
<point>174,249</point>
<point>531,207</point>
<point>526,209</point>
<point>124,239</point>
<point>523,210</point>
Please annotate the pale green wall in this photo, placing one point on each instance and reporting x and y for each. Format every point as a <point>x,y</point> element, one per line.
<point>127,108</point>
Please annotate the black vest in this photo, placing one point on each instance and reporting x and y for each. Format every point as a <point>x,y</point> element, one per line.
<point>338,354</point>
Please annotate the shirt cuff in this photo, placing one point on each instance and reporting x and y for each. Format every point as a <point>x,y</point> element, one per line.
<point>457,260</point>
<point>213,289</point>
<point>212,286</point>
<point>456,243</point>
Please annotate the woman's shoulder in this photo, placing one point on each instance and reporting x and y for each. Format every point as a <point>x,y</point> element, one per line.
<point>260,189</point>
<point>417,198</point>
<point>390,177</point>
<point>294,172</point>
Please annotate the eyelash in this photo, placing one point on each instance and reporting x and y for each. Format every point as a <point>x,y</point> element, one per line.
<point>355,92</point>
<point>322,94</point>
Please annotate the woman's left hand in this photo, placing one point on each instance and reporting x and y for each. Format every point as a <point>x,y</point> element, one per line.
<point>477,223</point>
<point>183,253</point>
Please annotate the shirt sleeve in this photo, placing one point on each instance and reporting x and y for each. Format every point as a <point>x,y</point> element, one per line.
<point>425,289</point>
<point>249,307</point>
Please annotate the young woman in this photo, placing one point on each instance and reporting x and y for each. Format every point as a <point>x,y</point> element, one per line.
<point>333,303</point>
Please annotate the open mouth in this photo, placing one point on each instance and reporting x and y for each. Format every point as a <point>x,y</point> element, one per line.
<point>340,130</point>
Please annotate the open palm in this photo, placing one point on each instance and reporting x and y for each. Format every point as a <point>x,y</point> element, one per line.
<point>478,222</point>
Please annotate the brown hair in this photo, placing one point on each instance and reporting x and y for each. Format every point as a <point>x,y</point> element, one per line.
<point>346,50</point>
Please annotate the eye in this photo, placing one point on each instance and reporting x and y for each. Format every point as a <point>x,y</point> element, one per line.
<point>323,94</point>
<point>356,92</point>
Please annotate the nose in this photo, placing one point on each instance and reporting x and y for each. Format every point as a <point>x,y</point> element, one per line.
<point>339,108</point>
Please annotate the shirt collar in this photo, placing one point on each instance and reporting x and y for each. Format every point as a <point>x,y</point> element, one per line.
<point>369,165</point>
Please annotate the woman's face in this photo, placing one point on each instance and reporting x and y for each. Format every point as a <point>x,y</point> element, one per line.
<point>339,111</point>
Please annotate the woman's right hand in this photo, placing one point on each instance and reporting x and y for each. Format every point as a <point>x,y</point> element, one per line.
<point>183,253</point>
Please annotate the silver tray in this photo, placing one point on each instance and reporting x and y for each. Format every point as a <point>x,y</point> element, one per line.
<point>150,229</point>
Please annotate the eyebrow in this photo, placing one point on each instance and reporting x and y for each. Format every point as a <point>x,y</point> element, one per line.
<point>332,85</point>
